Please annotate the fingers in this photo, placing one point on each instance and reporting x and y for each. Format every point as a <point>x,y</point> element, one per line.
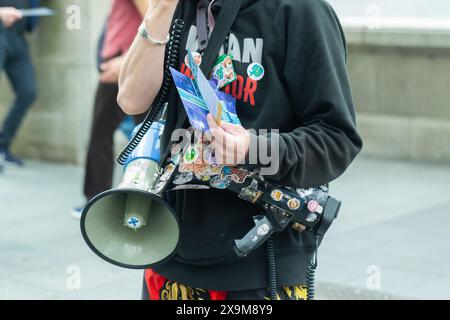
<point>231,128</point>
<point>14,13</point>
<point>216,133</point>
<point>18,14</point>
<point>104,66</point>
<point>229,141</point>
<point>107,77</point>
<point>9,15</point>
<point>224,127</point>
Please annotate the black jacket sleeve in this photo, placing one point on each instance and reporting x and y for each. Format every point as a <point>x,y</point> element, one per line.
<point>326,141</point>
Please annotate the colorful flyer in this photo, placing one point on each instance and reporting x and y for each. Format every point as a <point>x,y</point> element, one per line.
<point>215,106</point>
<point>37,12</point>
<point>200,97</point>
<point>193,102</point>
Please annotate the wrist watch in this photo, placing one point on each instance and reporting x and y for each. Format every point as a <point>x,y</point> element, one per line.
<point>143,32</point>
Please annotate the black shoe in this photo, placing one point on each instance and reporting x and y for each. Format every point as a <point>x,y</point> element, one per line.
<point>9,158</point>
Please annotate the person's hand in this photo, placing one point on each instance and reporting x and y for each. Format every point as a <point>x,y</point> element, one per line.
<point>9,15</point>
<point>230,142</point>
<point>160,8</point>
<point>111,70</point>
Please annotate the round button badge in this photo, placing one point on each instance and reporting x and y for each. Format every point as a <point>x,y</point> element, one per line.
<point>134,222</point>
<point>197,58</point>
<point>255,71</point>
<point>277,195</point>
<point>293,204</point>
<point>191,154</point>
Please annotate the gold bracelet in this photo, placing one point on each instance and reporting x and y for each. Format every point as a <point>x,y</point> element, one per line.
<point>143,32</point>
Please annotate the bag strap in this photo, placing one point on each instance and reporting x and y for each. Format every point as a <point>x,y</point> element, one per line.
<point>227,16</point>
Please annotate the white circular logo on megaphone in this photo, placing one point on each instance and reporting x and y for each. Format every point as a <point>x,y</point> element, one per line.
<point>134,222</point>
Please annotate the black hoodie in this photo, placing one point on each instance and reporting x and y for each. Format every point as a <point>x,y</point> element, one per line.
<point>304,93</point>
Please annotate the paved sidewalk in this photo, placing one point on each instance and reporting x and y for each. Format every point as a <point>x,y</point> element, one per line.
<point>395,220</point>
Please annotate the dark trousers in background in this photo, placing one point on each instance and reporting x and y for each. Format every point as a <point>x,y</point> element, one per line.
<point>16,62</point>
<point>100,158</point>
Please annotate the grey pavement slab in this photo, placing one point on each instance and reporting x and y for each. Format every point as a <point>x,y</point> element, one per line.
<point>395,218</point>
<point>40,242</point>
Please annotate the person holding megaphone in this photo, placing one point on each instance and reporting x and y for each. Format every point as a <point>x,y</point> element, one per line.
<point>285,64</point>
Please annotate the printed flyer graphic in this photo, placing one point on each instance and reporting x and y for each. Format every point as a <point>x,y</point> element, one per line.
<point>200,97</point>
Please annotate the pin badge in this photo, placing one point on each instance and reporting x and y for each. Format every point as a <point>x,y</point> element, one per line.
<point>236,175</point>
<point>293,204</point>
<point>255,71</point>
<point>191,154</point>
<point>197,58</point>
<point>251,193</point>
<point>209,156</point>
<point>314,206</point>
<point>183,178</point>
<point>175,152</point>
<point>134,222</point>
<point>319,209</point>
<point>205,178</point>
<point>223,71</point>
<point>168,170</point>
<point>219,183</point>
<point>277,195</point>
<point>311,217</point>
<point>304,192</point>
<point>263,230</point>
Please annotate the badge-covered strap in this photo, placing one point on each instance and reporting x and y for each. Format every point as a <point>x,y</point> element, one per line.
<point>202,26</point>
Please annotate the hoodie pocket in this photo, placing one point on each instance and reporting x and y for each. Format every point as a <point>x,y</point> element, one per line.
<point>210,221</point>
<point>290,238</point>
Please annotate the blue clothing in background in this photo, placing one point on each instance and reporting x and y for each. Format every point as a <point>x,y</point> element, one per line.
<point>32,21</point>
<point>15,60</point>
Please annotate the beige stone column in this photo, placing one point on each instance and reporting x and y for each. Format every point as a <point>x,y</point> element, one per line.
<point>64,53</point>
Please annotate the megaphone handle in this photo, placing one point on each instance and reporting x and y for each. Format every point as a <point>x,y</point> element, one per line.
<point>330,213</point>
<point>261,232</point>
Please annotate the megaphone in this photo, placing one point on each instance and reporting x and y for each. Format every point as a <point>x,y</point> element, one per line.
<point>132,226</point>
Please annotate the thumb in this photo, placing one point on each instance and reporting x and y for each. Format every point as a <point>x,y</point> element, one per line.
<point>212,122</point>
<point>216,133</point>
<point>17,13</point>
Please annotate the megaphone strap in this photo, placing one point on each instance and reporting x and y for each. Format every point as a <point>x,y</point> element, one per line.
<point>189,171</point>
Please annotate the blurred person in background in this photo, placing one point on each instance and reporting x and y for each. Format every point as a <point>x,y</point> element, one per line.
<point>15,60</point>
<point>121,27</point>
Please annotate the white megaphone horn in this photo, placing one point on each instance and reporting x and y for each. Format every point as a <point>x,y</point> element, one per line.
<point>132,226</point>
